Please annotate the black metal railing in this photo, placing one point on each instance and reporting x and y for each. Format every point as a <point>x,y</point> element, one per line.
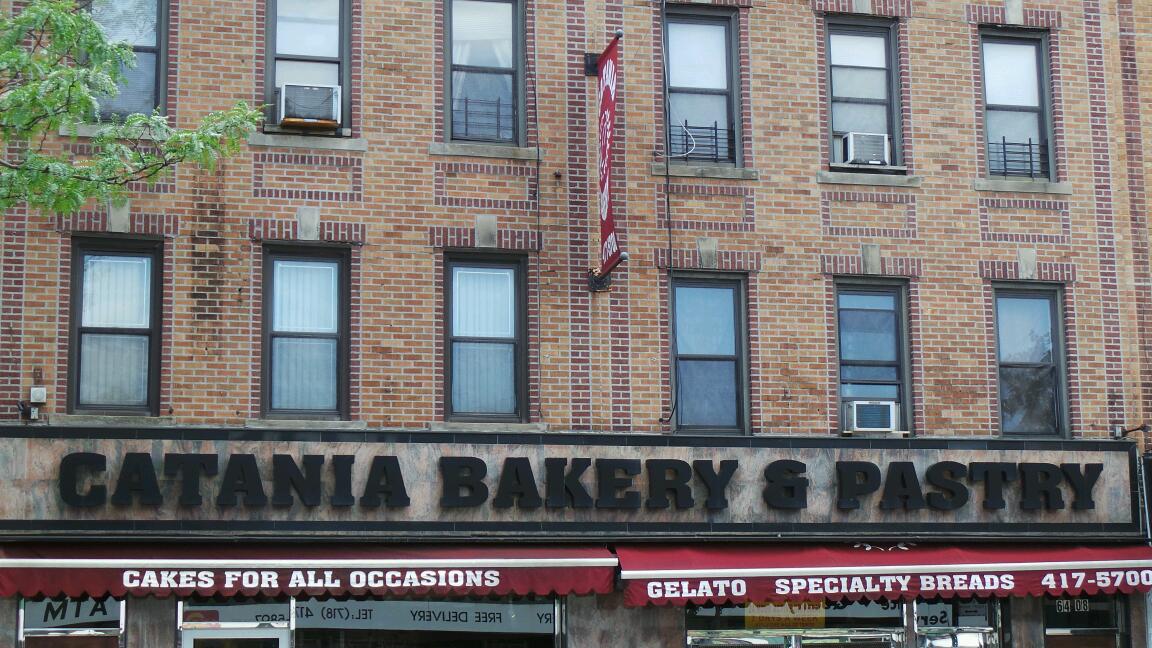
<point>483,119</point>
<point>1018,159</point>
<point>702,143</point>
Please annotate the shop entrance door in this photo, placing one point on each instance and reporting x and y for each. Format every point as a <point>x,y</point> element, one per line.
<point>239,638</point>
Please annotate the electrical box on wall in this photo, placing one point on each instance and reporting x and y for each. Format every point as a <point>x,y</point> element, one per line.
<point>38,395</point>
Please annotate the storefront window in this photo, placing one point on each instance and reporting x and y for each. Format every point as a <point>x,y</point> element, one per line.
<point>71,623</point>
<point>957,624</point>
<point>1083,622</point>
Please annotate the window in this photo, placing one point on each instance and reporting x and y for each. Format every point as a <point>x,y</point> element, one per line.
<point>142,24</point>
<point>1015,105</point>
<point>709,371</point>
<point>306,334</point>
<point>487,366</point>
<point>702,105</point>
<point>1029,360</point>
<point>863,94</point>
<point>115,327</point>
<point>873,375</point>
<point>484,79</point>
<point>308,45</point>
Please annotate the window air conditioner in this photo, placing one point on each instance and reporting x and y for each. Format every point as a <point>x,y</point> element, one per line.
<point>309,106</point>
<point>866,148</point>
<point>873,416</point>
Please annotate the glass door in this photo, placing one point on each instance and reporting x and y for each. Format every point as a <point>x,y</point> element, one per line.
<point>236,638</point>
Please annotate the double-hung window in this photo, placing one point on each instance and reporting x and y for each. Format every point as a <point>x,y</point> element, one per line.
<point>1030,361</point>
<point>142,24</point>
<point>1016,104</point>
<point>306,334</point>
<point>486,355</point>
<point>484,77</point>
<point>873,357</point>
<point>115,327</point>
<point>702,98</point>
<point>863,94</point>
<point>309,51</point>
<point>708,354</point>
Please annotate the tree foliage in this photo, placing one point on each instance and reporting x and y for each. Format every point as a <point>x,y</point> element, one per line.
<point>55,66</point>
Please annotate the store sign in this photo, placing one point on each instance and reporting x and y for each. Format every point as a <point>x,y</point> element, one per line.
<point>51,614</point>
<point>574,486</point>
<point>607,68</point>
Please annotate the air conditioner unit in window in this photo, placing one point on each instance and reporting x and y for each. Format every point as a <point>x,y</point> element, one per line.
<point>873,416</point>
<point>866,148</point>
<point>309,106</point>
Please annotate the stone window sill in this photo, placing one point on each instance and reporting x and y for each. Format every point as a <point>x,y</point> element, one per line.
<point>721,171</point>
<point>303,424</point>
<point>111,420</point>
<point>91,130</point>
<point>484,150</point>
<point>869,179</point>
<point>465,426</point>
<point>285,140</point>
<point>1022,185</point>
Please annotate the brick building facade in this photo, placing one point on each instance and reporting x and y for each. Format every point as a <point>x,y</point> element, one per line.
<point>787,281</point>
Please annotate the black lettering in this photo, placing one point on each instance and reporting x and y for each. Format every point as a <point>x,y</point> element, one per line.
<point>945,476</point>
<point>564,488</point>
<point>241,476</point>
<point>854,479</point>
<point>70,468</point>
<point>463,479</point>
<point>1040,487</point>
<point>517,485</point>
<point>668,476</point>
<point>137,481</point>
<point>287,477</point>
<point>995,475</point>
<point>1082,479</point>
<point>716,481</point>
<point>190,467</point>
<point>99,606</point>
<point>342,484</point>
<point>902,488</point>
<point>55,610</point>
<point>385,478</point>
<point>786,486</point>
<point>610,482</point>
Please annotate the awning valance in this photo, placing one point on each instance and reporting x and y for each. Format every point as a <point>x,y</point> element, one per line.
<point>663,575</point>
<point>302,570</point>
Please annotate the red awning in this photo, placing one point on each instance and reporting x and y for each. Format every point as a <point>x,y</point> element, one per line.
<point>741,573</point>
<point>312,570</point>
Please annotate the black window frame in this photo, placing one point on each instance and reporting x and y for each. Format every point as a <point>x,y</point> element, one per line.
<point>1054,294</point>
<point>520,341</point>
<point>739,286</point>
<point>1039,40</point>
<point>342,256</point>
<point>729,19</point>
<point>160,49</point>
<point>344,60</point>
<point>899,291</point>
<point>101,246</point>
<point>890,31</point>
<point>517,71</point>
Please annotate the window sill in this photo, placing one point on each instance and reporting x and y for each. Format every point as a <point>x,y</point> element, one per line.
<point>465,426</point>
<point>484,150</point>
<point>303,424</point>
<point>113,420</point>
<point>724,172</point>
<point>92,130</point>
<point>1022,185</point>
<point>308,141</point>
<point>870,179</point>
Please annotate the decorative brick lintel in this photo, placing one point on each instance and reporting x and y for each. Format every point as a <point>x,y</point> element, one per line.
<point>353,193</point>
<point>690,260</point>
<point>1058,206</point>
<point>166,225</point>
<point>889,8</point>
<point>1010,271</point>
<point>280,229</point>
<point>995,15</point>
<point>465,237</point>
<point>846,264</point>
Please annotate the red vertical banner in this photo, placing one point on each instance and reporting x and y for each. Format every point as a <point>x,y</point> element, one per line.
<point>610,252</point>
